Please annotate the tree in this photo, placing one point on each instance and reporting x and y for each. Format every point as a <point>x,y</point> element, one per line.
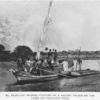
<point>2,48</point>
<point>23,51</point>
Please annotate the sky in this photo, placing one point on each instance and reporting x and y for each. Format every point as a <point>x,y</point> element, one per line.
<point>74,24</point>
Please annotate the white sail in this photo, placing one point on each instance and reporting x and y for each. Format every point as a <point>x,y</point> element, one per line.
<point>45,29</point>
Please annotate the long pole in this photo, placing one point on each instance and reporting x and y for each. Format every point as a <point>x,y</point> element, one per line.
<point>78,56</point>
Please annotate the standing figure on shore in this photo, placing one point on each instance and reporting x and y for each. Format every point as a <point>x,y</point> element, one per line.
<point>78,64</point>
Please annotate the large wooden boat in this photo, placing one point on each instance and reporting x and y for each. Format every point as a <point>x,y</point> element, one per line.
<point>28,77</point>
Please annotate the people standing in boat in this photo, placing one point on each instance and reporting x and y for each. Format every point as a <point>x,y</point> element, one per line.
<point>39,66</point>
<point>45,64</point>
<point>78,63</point>
<point>49,63</point>
<point>52,64</point>
<point>19,64</point>
<point>55,55</point>
<point>70,64</point>
<point>28,64</point>
<point>46,52</point>
<point>65,65</point>
<point>38,55</point>
<point>50,54</point>
<point>31,62</point>
<point>24,59</point>
<point>50,57</point>
<point>33,68</point>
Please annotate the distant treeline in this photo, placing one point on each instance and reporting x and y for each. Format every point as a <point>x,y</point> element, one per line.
<point>25,51</point>
<point>19,51</point>
<point>81,54</point>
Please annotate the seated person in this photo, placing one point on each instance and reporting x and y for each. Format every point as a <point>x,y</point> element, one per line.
<point>28,65</point>
<point>45,64</point>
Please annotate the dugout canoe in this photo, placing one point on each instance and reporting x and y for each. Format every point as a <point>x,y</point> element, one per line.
<point>81,73</point>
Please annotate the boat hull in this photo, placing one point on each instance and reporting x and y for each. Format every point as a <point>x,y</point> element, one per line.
<point>34,78</point>
<point>80,73</point>
<point>28,77</point>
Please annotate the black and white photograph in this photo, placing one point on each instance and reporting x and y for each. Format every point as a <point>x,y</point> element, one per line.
<point>50,45</point>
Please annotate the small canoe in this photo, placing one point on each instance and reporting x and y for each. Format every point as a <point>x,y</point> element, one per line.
<point>28,77</point>
<point>80,73</point>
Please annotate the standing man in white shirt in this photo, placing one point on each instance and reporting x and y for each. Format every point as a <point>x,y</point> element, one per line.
<point>65,65</point>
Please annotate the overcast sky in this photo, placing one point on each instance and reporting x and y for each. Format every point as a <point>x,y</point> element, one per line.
<point>75,23</point>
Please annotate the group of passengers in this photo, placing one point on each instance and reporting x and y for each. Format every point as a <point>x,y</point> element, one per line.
<point>34,65</point>
<point>69,65</point>
<point>50,62</point>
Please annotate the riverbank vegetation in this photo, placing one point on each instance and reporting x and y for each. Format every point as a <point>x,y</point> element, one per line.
<point>25,51</point>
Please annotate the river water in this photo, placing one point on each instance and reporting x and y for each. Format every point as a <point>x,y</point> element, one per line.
<point>87,83</point>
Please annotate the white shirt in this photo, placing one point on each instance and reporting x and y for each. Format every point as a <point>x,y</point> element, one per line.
<point>29,63</point>
<point>65,65</point>
<point>38,55</point>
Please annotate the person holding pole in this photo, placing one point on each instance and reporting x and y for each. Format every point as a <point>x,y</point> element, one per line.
<point>79,64</point>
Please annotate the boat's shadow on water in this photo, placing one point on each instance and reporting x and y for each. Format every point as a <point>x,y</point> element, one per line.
<point>41,81</point>
<point>51,85</point>
<point>86,83</point>
<point>31,82</point>
<point>36,86</point>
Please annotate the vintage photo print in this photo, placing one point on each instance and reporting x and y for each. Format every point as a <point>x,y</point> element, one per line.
<point>50,45</point>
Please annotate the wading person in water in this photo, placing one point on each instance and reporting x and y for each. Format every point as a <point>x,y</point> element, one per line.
<point>78,63</point>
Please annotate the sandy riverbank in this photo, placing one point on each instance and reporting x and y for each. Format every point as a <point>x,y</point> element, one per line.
<point>5,76</point>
